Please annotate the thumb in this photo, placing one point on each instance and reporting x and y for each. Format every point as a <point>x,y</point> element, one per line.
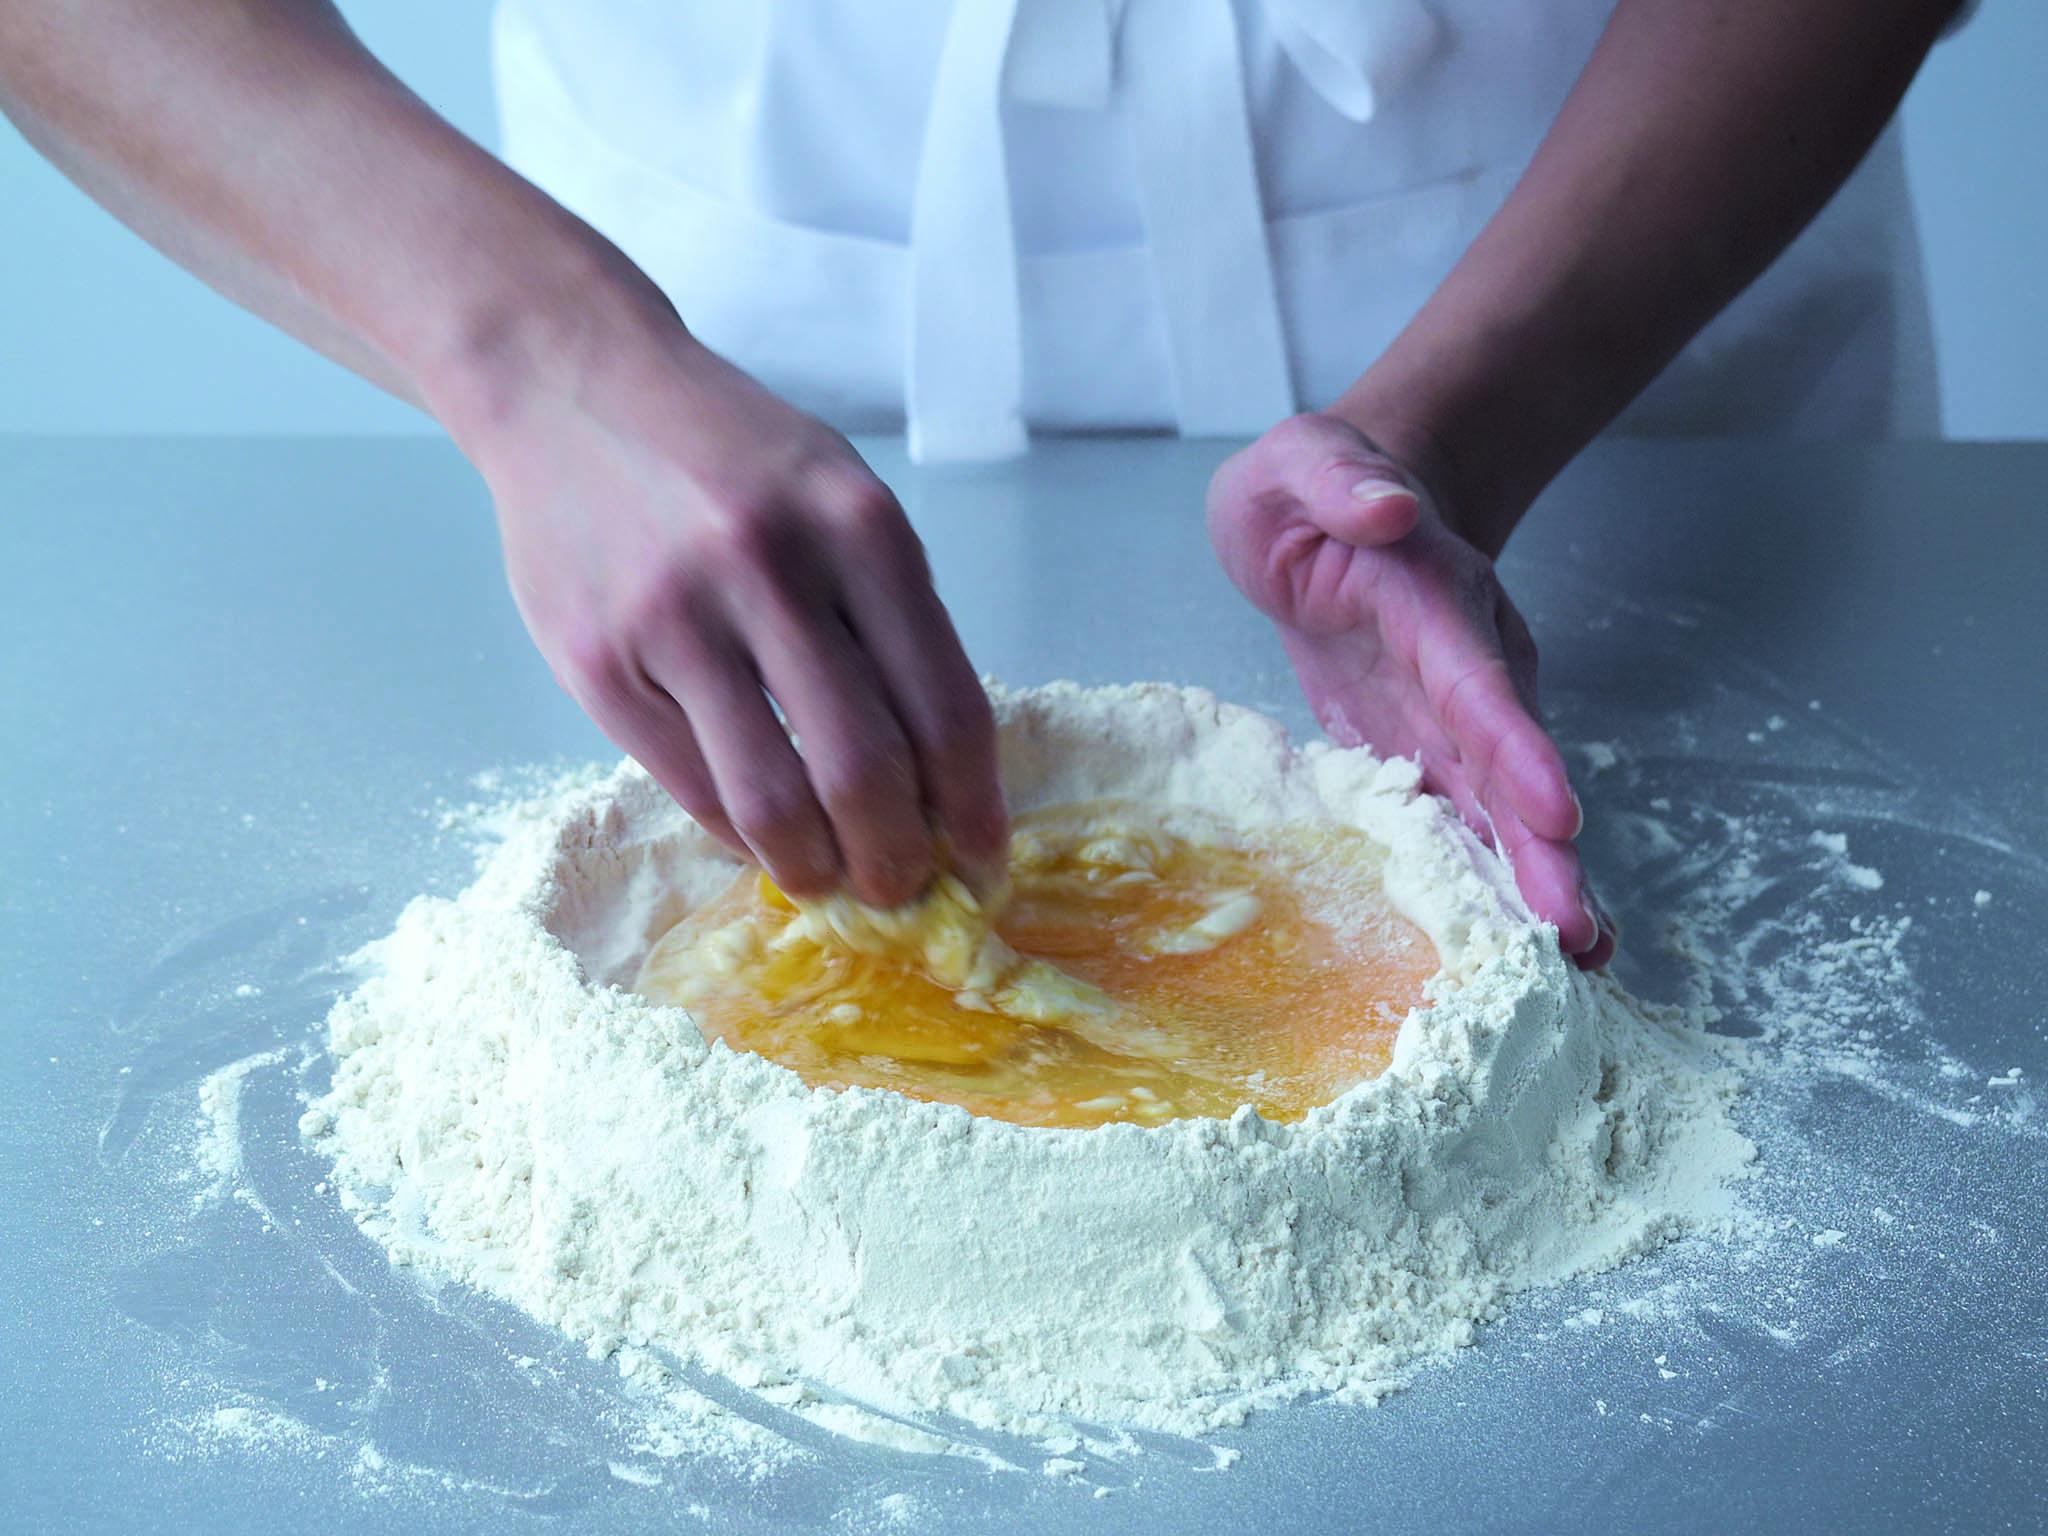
<point>1351,491</point>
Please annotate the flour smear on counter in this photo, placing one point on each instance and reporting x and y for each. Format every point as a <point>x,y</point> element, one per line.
<point>503,1113</point>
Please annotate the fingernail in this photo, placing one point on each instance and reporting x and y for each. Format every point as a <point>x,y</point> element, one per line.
<point>1601,918</point>
<point>1578,809</point>
<point>1596,914</point>
<point>1370,491</point>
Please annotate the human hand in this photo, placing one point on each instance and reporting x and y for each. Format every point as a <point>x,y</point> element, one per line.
<point>683,546</point>
<point>1404,641</point>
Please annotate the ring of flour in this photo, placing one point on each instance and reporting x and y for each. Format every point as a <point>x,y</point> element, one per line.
<point>501,1111</point>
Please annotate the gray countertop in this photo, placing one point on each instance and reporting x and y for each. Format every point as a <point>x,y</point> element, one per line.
<point>241,679</point>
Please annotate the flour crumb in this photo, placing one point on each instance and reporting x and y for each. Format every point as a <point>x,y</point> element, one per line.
<point>1599,755</point>
<point>898,1509</point>
<point>220,1136</point>
<point>241,1428</point>
<point>1859,875</point>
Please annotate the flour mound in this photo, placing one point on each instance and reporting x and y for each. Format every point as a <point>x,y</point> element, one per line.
<point>502,1112</point>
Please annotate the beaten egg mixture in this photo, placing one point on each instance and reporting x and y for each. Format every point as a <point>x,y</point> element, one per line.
<point>1140,964</point>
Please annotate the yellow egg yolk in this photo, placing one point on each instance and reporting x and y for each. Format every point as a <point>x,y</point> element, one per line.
<point>1140,965</point>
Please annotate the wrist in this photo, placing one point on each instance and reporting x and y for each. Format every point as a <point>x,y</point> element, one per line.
<point>536,333</point>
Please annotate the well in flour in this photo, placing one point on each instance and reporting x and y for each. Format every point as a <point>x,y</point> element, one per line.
<point>503,1110</point>
<point>1136,965</point>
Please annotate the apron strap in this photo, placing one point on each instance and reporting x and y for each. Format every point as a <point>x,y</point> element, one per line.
<point>1205,227</point>
<point>964,384</point>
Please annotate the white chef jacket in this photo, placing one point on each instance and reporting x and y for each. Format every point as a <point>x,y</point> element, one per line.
<point>971,218</point>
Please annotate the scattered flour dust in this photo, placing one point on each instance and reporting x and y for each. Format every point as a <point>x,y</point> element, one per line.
<point>503,1113</point>
<point>247,1427</point>
<point>220,1142</point>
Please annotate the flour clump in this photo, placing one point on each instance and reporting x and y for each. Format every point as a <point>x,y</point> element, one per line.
<point>505,1111</point>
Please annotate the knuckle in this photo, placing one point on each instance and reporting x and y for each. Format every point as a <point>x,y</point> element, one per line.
<point>650,613</point>
<point>960,733</point>
<point>689,786</point>
<point>863,507</point>
<point>676,613</point>
<point>766,552</point>
<point>890,882</point>
<point>769,809</point>
<point>750,532</point>
<point>590,663</point>
<point>863,778</point>
<point>689,789</point>
<point>980,832</point>
<point>865,499</point>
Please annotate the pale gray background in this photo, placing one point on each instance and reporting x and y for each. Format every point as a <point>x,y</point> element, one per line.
<point>98,334</point>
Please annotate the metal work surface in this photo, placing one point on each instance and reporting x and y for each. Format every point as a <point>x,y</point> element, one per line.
<point>242,680</point>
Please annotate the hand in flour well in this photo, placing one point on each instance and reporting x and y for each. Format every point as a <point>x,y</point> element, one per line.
<point>683,545</point>
<point>1403,640</point>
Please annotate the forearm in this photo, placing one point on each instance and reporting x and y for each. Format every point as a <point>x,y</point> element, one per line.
<point>258,143</point>
<point>1699,140</point>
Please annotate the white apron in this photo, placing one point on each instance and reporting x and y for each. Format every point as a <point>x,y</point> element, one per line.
<point>973,217</point>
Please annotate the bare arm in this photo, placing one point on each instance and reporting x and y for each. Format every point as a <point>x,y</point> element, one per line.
<point>682,544</point>
<point>1699,140</point>
<point>262,147</point>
